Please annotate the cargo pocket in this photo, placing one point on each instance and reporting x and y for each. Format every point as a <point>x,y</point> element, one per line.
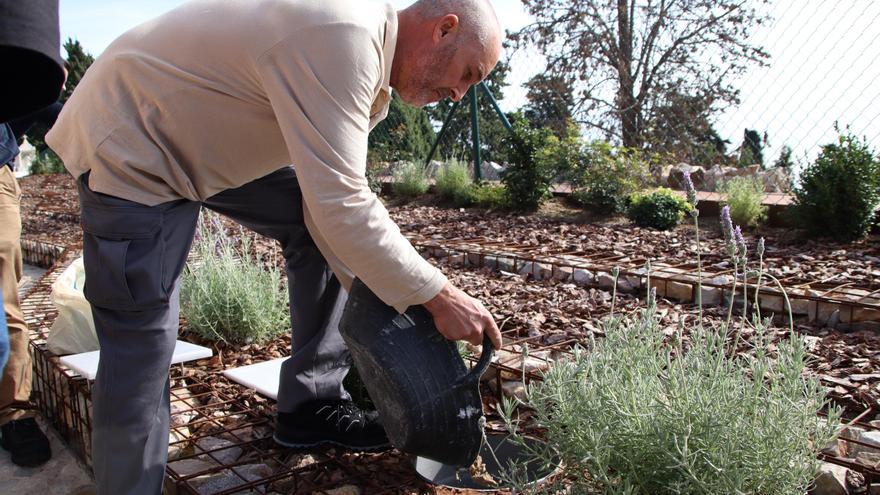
<point>123,253</point>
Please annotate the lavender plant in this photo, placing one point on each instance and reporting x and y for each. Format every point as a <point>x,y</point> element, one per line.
<point>410,180</point>
<point>228,296</point>
<point>640,415</point>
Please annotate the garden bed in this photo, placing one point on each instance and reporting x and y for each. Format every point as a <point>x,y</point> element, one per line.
<point>550,316</point>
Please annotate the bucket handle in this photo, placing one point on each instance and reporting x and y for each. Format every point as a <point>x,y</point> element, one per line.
<point>483,363</point>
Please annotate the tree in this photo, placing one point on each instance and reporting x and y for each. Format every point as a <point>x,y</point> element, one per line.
<point>630,55</point>
<point>405,134</point>
<point>78,61</point>
<point>457,142</point>
<point>784,160</point>
<point>752,150</point>
<point>551,102</point>
<point>681,129</point>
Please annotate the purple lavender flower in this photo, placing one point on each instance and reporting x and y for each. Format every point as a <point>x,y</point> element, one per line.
<point>761,247</point>
<point>740,243</point>
<point>689,188</point>
<point>727,230</point>
<point>652,298</point>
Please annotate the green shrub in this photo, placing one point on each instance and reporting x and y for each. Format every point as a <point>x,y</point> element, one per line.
<point>485,195</point>
<point>838,193</point>
<point>639,416</point>
<point>661,209</point>
<point>453,181</point>
<point>528,175</point>
<point>606,176</point>
<point>744,196</point>
<point>47,163</point>
<point>228,296</point>
<point>410,180</point>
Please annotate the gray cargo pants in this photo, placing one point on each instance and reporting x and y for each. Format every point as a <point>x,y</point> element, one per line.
<point>134,255</point>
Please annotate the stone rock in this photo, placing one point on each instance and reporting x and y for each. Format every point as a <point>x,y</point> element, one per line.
<point>865,314</point>
<point>831,480</point>
<point>849,433</point>
<point>455,259</point>
<point>534,364</point>
<point>562,272</point>
<point>871,438</point>
<point>489,170</point>
<point>605,280</point>
<point>803,306</point>
<point>826,312</point>
<point>474,259</point>
<point>774,304</point>
<point>188,467</point>
<point>583,277</point>
<point>629,283</point>
<point>227,479</point>
<point>679,291</point>
<point>505,264</point>
<point>776,180</point>
<point>177,445</point>
<point>871,459</point>
<point>538,271</point>
<point>675,180</point>
<point>225,452</point>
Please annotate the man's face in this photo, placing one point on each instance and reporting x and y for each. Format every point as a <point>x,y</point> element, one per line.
<point>448,71</point>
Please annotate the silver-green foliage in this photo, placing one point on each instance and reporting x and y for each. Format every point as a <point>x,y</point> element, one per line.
<point>227,295</point>
<point>638,416</point>
<point>453,181</point>
<point>410,180</point>
<point>745,196</point>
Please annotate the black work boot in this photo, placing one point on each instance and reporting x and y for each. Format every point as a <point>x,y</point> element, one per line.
<point>339,422</point>
<point>26,442</point>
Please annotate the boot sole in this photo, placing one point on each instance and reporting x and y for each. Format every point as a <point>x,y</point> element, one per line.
<point>303,445</point>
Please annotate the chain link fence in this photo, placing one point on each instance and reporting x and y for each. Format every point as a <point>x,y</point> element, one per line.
<point>750,87</point>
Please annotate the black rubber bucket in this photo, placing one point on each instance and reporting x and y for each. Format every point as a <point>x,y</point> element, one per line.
<point>455,476</point>
<point>427,398</point>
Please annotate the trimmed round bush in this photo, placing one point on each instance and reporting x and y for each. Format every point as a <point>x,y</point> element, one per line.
<point>661,209</point>
<point>839,192</point>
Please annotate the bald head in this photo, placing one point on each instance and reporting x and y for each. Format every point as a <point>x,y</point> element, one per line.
<point>479,23</point>
<point>444,47</point>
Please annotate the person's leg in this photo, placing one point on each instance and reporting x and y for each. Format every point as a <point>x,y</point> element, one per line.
<point>21,435</point>
<point>319,360</point>
<point>133,256</point>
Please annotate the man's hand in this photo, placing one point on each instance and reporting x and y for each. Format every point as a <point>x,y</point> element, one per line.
<point>459,316</point>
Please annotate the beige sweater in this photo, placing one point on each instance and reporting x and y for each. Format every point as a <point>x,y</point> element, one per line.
<point>217,93</point>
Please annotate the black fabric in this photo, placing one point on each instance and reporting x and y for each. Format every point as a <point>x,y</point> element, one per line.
<point>30,54</point>
<point>44,117</point>
<point>26,442</point>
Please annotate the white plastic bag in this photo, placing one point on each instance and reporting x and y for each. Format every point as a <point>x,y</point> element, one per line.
<point>73,331</point>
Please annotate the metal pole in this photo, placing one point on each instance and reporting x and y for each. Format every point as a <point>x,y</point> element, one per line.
<point>475,135</point>
<point>442,132</point>
<point>501,115</point>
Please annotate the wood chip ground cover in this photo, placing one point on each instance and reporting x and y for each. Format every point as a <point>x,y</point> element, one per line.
<point>549,312</point>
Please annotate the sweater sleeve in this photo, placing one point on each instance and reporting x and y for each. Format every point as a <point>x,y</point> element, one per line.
<point>320,84</point>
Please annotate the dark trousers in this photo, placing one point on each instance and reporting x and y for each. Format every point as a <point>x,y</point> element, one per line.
<point>134,255</point>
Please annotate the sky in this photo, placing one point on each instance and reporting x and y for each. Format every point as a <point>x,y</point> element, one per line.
<point>823,67</point>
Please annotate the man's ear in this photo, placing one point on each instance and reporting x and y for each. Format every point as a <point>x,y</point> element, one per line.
<point>447,25</point>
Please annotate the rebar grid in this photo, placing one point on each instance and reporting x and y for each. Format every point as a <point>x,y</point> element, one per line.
<point>560,265</point>
<point>64,399</point>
